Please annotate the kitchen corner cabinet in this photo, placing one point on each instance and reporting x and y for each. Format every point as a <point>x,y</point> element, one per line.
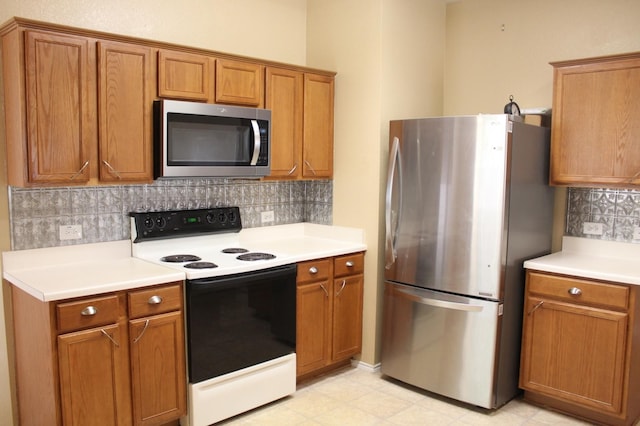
<point>301,107</point>
<point>317,142</point>
<point>580,349</point>
<point>595,130</point>
<point>112,359</point>
<point>329,313</point>
<point>78,109</point>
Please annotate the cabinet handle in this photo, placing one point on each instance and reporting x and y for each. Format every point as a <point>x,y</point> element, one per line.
<point>535,307</point>
<point>293,169</point>
<point>574,291</point>
<point>634,177</point>
<point>349,264</point>
<point>109,337</point>
<point>310,167</point>
<point>344,282</point>
<point>89,311</point>
<point>154,300</point>
<point>325,290</point>
<point>111,169</point>
<point>313,270</point>
<point>146,324</point>
<point>79,172</point>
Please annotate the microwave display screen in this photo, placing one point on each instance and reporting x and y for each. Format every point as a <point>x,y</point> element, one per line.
<point>202,140</point>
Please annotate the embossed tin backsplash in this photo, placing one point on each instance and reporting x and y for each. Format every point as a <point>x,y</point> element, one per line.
<point>37,214</point>
<point>617,210</point>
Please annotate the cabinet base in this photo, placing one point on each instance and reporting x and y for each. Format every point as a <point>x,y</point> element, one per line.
<point>573,410</point>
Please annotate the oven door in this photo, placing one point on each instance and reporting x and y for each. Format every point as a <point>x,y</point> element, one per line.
<point>241,320</point>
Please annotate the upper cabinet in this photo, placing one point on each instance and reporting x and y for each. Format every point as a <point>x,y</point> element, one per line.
<point>125,100</point>
<point>60,107</point>
<point>185,76</point>
<point>239,83</point>
<point>78,109</point>
<point>317,149</point>
<point>79,104</point>
<point>595,127</point>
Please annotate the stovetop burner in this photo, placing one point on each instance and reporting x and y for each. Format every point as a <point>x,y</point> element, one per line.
<point>256,256</point>
<point>235,250</point>
<point>200,265</point>
<point>180,258</point>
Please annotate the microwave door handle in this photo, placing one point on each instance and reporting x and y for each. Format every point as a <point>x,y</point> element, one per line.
<point>256,142</point>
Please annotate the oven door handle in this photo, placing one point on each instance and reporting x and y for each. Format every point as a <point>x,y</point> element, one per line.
<point>212,284</point>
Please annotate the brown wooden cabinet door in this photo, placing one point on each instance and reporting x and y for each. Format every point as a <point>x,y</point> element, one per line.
<point>184,76</point>
<point>595,126</point>
<point>317,149</point>
<point>125,94</point>
<point>158,368</point>
<point>284,97</point>
<point>574,353</point>
<point>94,377</point>
<point>313,340</point>
<point>58,107</point>
<point>239,83</point>
<point>347,317</point>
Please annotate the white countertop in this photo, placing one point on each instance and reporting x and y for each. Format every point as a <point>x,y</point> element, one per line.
<point>590,258</point>
<point>58,273</point>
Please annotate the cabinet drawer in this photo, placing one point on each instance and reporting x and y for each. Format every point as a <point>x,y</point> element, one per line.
<point>350,264</point>
<point>590,292</point>
<point>87,313</point>
<point>314,270</point>
<point>155,300</point>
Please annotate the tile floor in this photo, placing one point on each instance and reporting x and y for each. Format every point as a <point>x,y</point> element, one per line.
<point>357,397</point>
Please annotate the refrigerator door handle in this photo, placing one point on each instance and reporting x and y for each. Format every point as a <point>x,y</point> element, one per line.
<point>394,161</point>
<point>439,303</point>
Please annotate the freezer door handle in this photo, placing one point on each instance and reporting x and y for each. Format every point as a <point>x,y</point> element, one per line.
<point>394,162</point>
<point>439,303</point>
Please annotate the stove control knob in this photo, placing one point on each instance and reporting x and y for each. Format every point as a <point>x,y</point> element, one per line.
<point>148,222</point>
<point>210,218</point>
<point>222,218</point>
<point>161,222</point>
<point>232,217</point>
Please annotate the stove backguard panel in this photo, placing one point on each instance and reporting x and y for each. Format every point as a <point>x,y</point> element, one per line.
<point>103,211</point>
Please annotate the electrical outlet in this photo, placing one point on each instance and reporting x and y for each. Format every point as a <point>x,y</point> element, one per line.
<point>592,228</point>
<point>70,232</point>
<point>267,216</point>
<point>636,232</point>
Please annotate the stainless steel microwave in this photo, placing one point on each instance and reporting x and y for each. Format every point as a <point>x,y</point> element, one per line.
<point>194,139</point>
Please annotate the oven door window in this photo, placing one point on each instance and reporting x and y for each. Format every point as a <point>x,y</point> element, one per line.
<point>238,321</point>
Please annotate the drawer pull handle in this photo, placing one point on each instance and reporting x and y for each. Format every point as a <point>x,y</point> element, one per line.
<point>109,337</point>
<point>146,324</point>
<point>313,270</point>
<point>154,300</point>
<point>89,311</point>
<point>575,291</point>
<point>344,282</point>
<point>535,307</point>
<point>349,264</point>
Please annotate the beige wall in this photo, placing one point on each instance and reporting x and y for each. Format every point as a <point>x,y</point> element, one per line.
<point>389,58</point>
<point>497,48</point>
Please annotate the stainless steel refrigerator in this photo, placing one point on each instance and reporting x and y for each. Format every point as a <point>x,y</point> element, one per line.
<point>467,202</point>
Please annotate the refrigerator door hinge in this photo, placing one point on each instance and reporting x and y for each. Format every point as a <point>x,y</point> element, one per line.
<point>500,309</point>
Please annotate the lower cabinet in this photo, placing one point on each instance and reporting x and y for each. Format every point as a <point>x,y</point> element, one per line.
<point>114,359</point>
<point>579,353</point>
<point>329,318</point>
